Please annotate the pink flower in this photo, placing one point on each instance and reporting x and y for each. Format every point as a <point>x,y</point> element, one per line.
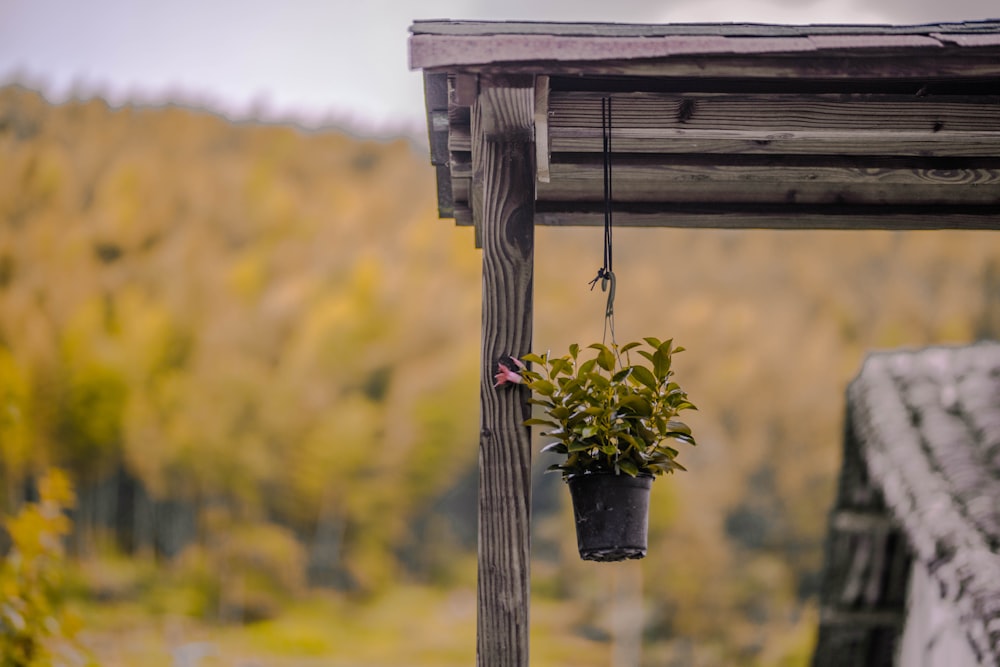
<point>505,374</point>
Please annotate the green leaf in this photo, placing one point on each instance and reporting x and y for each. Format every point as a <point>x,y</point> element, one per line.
<point>556,447</point>
<point>588,431</point>
<point>661,364</point>
<point>578,446</point>
<point>621,375</point>
<point>543,387</point>
<point>605,357</point>
<point>628,467</point>
<point>586,368</point>
<point>653,342</point>
<point>643,375</point>
<point>555,467</point>
<point>627,437</point>
<point>560,412</point>
<point>574,350</point>
<point>561,365</point>
<point>637,405</point>
<point>675,426</point>
<point>532,358</point>
<point>629,346</point>
<point>600,381</point>
<point>682,438</point>
<point>649,436</point>
<point>534,421</point>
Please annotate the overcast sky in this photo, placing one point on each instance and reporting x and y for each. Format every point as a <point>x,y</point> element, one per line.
<point>342,61</point>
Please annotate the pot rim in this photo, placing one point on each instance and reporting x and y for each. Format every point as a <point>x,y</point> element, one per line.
<point>607,473</point>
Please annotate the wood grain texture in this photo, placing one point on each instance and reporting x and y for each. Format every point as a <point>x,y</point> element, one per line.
<point>780,112</point>
<point>769,142</point>
<point>649,181</point>
<point>982,63</point>
<point>864,124</point>
<point>666,214</point>
<point>542,128</point>
<point>504,195</point>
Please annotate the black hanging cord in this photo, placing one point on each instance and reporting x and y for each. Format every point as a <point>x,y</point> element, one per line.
<point>606,274</point>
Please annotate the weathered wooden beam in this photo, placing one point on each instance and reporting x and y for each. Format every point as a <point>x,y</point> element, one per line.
<point>503,205</point>
<point>864,618</point>
<point>460,139</point>
<point>647,180</point>
<point>771,142</point>
<point>865,124</point>
<point>446,201</point>
<point>542,151</point>
<point>777,111</point>
<point>667,214</point>
<point>880,64</point>
<point>436,94</point>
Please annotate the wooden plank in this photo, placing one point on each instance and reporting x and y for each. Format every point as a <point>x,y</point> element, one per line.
<point>503,163</point>
<point>463,218</point>
<point>652,181</point>
<point>859,522</point>
<point>780,112</point>
<point>461,165</point>
<point>770,123</point>
<point>444,198</point>
<point>460,188</point>
<point>436,96</point>
<point>961,64</point>
<point>503,111</point>
<point>775,142</point>
<point>478,172</point>
<point>776,217</point>
<point>542,128</point>
<point>831,616</point>
<point>484,28</point>
<point>435,91</point>
<point>466,89</point>
<point>429,51</point>
<point>460,139</point>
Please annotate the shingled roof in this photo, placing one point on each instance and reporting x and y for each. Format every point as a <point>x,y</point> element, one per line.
<point>921,478</point>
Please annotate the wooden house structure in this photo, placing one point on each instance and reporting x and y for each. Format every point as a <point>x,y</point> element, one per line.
<point>912,573</point>
<point>850,127</point>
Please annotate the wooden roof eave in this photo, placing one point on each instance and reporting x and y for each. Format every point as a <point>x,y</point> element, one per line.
<point>928,158</point>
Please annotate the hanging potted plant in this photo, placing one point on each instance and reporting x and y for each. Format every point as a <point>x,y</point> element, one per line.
<point>615,423</point>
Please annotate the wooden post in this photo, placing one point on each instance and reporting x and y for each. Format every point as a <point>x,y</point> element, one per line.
<point>503,207</point>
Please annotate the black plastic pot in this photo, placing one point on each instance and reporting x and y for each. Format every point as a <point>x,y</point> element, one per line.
<point>612,515</point>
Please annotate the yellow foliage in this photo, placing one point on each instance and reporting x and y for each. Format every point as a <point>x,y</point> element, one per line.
<point>35,628</point>
<point>275,320</point>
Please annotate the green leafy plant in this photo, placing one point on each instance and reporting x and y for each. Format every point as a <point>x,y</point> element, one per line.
<point>607,414</point>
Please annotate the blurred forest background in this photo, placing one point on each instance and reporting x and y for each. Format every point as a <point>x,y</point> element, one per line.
<point>255,350</point>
